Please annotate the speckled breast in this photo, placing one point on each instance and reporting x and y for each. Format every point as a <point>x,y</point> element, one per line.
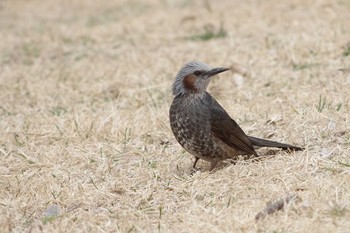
<point>189,120</point>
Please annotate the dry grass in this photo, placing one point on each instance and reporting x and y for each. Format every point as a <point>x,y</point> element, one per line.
<point>85,93</point>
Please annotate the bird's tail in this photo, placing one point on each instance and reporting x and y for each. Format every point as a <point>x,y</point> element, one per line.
<point>258,142</point>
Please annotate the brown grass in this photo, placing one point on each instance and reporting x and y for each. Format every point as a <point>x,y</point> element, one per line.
<point>85,140</point>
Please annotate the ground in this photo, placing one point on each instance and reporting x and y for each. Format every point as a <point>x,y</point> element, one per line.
<point>85,141</point>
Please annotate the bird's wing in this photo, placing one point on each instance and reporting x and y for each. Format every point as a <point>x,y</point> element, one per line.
<point>226,129</point>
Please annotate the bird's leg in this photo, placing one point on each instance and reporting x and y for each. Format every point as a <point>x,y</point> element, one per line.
<point>195,162</point>
<point>213,164</point>
<point>194,169</point>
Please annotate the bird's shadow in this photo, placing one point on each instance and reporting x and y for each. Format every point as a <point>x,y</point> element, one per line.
<point>205,166</point>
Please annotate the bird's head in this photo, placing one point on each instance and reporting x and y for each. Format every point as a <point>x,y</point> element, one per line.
<point>194,77</point>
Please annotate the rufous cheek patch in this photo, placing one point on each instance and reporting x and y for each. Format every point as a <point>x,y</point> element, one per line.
<point>189,82</point>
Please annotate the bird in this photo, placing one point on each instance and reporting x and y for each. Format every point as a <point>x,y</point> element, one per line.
<point>202,126</point>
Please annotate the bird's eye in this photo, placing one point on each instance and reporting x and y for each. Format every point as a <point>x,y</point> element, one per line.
<point>197,73</point>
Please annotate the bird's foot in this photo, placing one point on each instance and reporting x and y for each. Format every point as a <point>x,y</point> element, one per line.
<point>194,170</point>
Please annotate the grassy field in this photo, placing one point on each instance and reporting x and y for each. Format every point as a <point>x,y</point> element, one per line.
<point>85,141</point>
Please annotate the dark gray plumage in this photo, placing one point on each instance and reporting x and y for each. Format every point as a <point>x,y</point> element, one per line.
<point>202,126</point>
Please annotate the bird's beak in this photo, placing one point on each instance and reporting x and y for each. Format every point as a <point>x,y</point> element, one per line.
<point>215,71</point>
